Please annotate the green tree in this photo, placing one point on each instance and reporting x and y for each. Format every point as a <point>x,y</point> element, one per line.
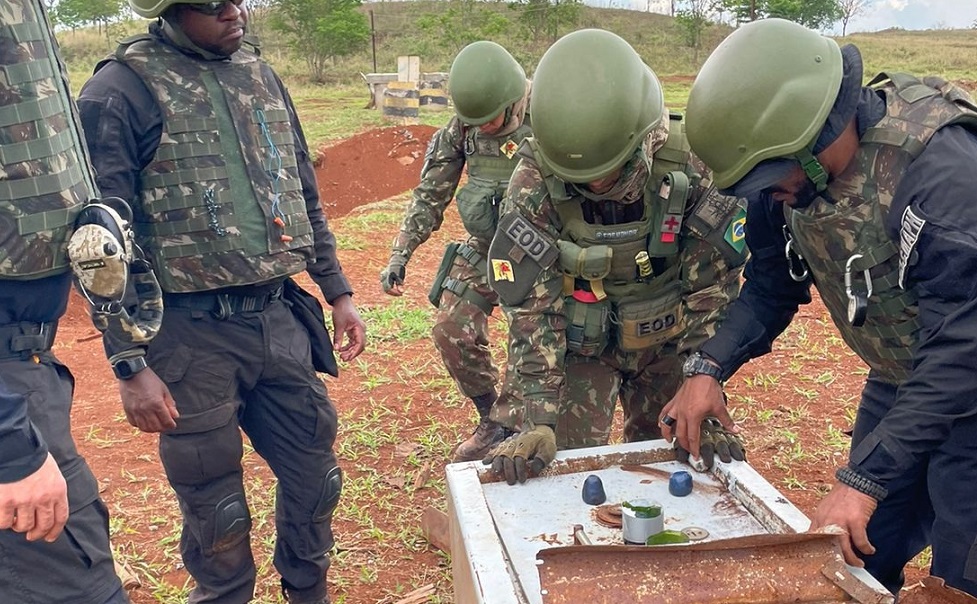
<point>546,19</point>
<point>78,13</point>
<point>692,18</point>
<point>321,30</point>
<point>463,22</point>
<point>816,14</point>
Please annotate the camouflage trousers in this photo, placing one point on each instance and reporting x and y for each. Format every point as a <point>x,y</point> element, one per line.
<point>461,325</point>
<point>643,382</point>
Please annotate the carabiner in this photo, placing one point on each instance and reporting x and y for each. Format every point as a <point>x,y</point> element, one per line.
<point>794,259</point>
<point>857,303</point>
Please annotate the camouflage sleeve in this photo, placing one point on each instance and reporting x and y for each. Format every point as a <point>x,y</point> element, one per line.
<point>713,255</point>
<point>537,328</point>
<point>444,162</point>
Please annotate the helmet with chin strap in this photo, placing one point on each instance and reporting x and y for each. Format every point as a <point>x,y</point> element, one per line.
<point>593,102</point>
<point>484,80</point>
<point>764,93</point>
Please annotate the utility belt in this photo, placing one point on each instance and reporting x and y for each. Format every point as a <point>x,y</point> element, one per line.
<point>21,340</point>
<point>224,305</point>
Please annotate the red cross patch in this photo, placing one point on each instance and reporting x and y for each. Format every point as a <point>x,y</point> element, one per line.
<point>509,148</point>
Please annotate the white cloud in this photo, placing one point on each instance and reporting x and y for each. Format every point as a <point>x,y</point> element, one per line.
<point>897,4</point>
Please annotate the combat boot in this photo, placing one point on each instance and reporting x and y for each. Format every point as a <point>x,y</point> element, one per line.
<point>314,595</point>
<point>486,435</point>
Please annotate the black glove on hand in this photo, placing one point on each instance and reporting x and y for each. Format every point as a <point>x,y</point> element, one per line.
<point>714,440</point>
<point>523,455</point>
<point>394,273</point>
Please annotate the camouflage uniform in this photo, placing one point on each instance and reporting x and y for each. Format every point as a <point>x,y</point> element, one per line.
<point>44,182</point>
<point>461,291</point>
<point>885,243</point>
<point>225,206</point>
<point>565,373</point>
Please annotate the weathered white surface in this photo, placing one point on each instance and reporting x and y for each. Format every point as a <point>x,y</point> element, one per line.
<point>497,529</point>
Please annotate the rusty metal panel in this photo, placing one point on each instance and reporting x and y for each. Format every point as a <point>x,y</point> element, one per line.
<point>760,569</point>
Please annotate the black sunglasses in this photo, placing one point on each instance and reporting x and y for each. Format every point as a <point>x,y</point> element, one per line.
<point>212,9</point>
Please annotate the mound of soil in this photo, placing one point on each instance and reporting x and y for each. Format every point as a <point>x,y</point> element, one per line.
<point>371,166</point>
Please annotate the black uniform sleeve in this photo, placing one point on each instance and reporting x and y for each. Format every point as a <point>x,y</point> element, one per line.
<point>769,297</point>
<point>325,270</point>
<point>123,125</point>
<point>22,450</point>
<point>939,187</point>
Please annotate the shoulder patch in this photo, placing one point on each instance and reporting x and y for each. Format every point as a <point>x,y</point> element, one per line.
<point>909,231</point>
<point>518,253</point>
<point>735,234</point>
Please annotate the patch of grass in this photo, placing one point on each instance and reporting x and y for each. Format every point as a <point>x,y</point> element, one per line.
<point>396,322</point>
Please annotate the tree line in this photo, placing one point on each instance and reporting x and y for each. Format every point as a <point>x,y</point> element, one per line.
<point>320,32</point>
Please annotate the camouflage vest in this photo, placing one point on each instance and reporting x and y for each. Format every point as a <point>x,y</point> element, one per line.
<point>829,235</point>
<point>490,161</point>
<point>606,256</point>
<point>222,202</point>
<point>44,173</point>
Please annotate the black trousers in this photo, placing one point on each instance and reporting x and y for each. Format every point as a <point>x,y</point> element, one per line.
<point>251,371</point>
<point>77,568</point>
<point>932,504</point>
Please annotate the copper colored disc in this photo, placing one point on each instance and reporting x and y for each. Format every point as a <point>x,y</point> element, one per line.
<point>609,515</point>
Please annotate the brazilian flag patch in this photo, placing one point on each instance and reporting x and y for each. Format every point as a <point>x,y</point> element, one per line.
<point>736,231</point>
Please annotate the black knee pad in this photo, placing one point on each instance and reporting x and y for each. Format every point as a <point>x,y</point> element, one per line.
<point>332,486</point>
<point>232,522</point>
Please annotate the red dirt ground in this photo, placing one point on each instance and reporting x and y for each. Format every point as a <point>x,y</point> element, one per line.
<point>783,412</point>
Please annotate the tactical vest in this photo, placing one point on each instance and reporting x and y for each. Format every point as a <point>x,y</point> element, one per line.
<point>640,296</point>
<point>490,161</point>
<point>849,234</point>
<point>44,170</point>
<point>221,201</point>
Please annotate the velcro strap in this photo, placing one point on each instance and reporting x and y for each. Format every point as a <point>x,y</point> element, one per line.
<point>461,289</point>
<point>24,339</point>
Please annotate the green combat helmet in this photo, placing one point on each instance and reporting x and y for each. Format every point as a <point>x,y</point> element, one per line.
<point>764,93</point>
<point>150,9</point>
<point>484,80</point>
<point>593,102</point>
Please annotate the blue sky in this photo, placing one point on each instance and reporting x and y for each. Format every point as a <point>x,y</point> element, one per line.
<point>881,14</point>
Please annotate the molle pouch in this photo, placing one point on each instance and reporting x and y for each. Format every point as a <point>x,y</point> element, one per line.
<point>478,205</point>
<point>646,323</point>
<point>450,251</point>
<point>590,263</point>
<point>587,326</point>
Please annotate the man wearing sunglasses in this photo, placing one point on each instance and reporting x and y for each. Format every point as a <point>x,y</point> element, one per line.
<point>202,138</point>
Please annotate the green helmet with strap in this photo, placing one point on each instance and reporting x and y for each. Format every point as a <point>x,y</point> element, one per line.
<point>593,102</point>
<point>764,93</point>
<point>150,9</point>
<point>484,80</point>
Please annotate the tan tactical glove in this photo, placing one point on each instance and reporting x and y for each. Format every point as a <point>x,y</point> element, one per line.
<point>523,455</point>
<point>714,440</point>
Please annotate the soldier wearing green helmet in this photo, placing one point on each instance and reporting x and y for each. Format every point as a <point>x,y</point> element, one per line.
<point>614,258</point>
<point>865,192</point>
<point>490,94</point>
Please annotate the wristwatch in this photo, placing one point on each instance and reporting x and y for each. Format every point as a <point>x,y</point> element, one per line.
<point>697,364</point>
<point>127,368</point>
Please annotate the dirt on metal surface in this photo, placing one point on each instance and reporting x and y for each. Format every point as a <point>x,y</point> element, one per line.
<point>932,590</point>
<point>761,569</point>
